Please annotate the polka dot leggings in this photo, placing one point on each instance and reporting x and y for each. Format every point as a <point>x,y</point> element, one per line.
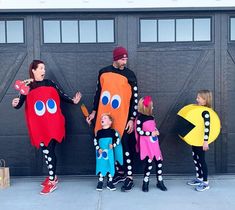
<point>50,158</point>
<point>149,166</point>
<point>101,177</point>
<point>200,163</point>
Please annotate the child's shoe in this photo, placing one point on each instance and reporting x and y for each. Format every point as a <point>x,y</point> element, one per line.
<point>111,186</point>
<point>128,185</point>
<point>161,186</point>
<point>145,186</point>
<point>48,188</point>
<point>45,182</point>
<point>99,186</point>
<point>195,182</point>
<point>202,187</point>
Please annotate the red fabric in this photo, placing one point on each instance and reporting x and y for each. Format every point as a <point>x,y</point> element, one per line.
<point>50,123</point>
<point>119,53</point>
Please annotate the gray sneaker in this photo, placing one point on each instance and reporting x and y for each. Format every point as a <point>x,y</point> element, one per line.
<point>194,182</point>
<point>202,187</point>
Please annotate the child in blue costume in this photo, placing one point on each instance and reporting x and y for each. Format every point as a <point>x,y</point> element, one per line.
<point>108,150</point>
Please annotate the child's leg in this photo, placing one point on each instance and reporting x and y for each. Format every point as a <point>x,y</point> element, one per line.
<point>196,153</point>
<point>110,184</point>
<point>50,158</point>
<point>100,182</point>
<point>147,170</point>
<point>204,169</point>
<point>160,183</point>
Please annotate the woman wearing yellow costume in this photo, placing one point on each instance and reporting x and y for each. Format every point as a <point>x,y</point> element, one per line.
<point>199,126</point>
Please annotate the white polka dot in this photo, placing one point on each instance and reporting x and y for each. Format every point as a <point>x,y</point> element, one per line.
<point>110,175</point>
<point>148,173</point>
<point>135,107</point>
<point>114,145</point>
<point>41,144</point>
<point>110,179</point>
<point>141,132</point>
<point>50,166</point>
<point>97,147</point>
<point>45,151</point>
<point>193,153</point>
<point>45,156</point>
<point>160,178</point>
<point>95,143</point>
<point>206,130</point>
<point>197,175</point>
<point>150,167</point>
<point>129,167</point>
<point>159,165</point>
<point>136,101</point>
<point>195,161</point>
<point>128,160</point>
<point>159,171</point>
<point>196,168</point>
<point>134,113</point>
<point>136,95</point>
<point>49,158</point>
<point>118,139</point>
<point>127,154</point>
<point>207,123</point>
<point>205,137</point>
<point>46,162</point>
<point>147,133</point>
<point>138,122</point>
<point>146,179</point>
<point>51,172</point>
<point>135,88</point>
<point>116,134</point>
<point>51,177</point>
<point>129,173</point>
<point>138,129</point>
<point>101,179</point>
<point>149,160</point>
<point>207,115</point>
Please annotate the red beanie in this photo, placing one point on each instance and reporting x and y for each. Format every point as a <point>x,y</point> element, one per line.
<point>119,53</point>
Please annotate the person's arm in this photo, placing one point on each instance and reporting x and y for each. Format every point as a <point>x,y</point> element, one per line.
<point>97,95</point>
<point>206,118</point>
<point>17,103</point>
<point>134,98</point>
<point>116,138</point>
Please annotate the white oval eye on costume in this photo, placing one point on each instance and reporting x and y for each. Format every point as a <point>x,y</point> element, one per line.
<point>116,101</point>
<point>105,97</point>
<point>51,106</point>
<point>39,108</point>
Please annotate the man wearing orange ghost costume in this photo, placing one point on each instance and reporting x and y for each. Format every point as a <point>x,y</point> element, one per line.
<point>117,93</point>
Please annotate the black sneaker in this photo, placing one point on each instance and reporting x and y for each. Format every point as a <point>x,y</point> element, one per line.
<point>118,178</point>
<point>99,186</point>
<point>145,186</point>
<point>111,186</point>
<point>128,185</point>
<point>161,186</point>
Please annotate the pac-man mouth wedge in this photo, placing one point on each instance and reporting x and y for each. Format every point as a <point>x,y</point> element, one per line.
<point>190,124</point>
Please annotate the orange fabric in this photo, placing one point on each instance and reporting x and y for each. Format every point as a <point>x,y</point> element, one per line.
<point>116,85</point>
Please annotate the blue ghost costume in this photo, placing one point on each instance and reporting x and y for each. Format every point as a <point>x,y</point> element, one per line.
<point>105,162</point>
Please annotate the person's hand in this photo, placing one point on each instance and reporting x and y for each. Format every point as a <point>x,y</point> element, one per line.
<point>77,98</point>
<point>111,146</point>
<point>15,102</point>
<point>155,133</point>
<point>205,146</point>
<point>130,126</point>
<point>91,117</point>
<point>100,151</point>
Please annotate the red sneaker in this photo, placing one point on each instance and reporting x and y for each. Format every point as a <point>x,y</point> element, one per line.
<point>50,187</point>
<point>45,182</point>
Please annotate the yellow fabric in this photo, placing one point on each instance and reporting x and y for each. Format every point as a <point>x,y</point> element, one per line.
<point>193,114</point>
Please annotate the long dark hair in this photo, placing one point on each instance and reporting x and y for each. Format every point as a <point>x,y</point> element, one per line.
<point>34,65</point>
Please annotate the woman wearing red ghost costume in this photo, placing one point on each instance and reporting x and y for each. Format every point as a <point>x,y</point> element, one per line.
<point>117,94</point>
<point>45,121</point>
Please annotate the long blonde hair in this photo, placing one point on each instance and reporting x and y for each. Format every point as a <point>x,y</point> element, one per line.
<point>207,96</point>
<point>145,106</point>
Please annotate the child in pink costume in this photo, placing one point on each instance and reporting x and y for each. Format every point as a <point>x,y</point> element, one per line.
<point>147,143</point>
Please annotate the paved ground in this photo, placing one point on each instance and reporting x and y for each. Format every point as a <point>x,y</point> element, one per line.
<point>75,192</point>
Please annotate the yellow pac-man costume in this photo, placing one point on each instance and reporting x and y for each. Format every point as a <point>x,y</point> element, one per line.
<point>192,127</point>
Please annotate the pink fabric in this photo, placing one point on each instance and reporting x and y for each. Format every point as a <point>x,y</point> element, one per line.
<point>147,145</point>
